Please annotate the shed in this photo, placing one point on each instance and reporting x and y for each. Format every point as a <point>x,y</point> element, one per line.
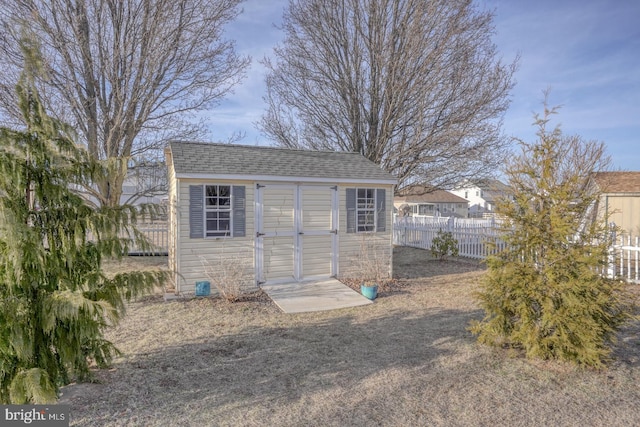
<point>285,215</point>
<point>620,199</point>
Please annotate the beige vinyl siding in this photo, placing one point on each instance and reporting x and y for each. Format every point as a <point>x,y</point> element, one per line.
<point>350,244</point>
<point>173,236</point>
<point>316,255</point>
<point>278,251</point>
<point>278,218</point>
<point>316,209</point>
<point>278,209</point>
<point>192,252</point>
<point>317,249</point>
<point>278,257</point>
<point>624,211</point>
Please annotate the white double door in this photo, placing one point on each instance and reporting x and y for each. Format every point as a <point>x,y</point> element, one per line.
<point>296,235</point>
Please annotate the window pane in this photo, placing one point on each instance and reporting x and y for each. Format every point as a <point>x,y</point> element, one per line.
<point>212,190</point>
<point>218,233</point>
<point>224,191</point>
<point>365,208</point>
<point>218,210</point>
<point>365,228</point>
<point>362,218</point>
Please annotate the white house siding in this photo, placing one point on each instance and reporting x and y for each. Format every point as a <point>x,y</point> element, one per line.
<point>475,196</point>
<point>351,244</point>
<point>192,252</point>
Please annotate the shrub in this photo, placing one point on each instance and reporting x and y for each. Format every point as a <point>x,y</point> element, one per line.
<point>229,276</point>
<point>444,245</point>
<point>544,293</point>
<point>369,265</point>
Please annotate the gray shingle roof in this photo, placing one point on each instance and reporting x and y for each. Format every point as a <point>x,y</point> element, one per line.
<point>233,159</point>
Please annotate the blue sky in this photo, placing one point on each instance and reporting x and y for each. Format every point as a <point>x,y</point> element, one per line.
<point>586,52</point>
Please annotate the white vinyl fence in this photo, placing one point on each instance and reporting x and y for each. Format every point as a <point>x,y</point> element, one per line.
<point>624,260</point>
<point>158,235</point>
<point>156,232</point>
<point>475,235</point>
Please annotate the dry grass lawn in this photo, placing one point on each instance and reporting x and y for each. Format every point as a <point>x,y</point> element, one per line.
<point>406,360</point>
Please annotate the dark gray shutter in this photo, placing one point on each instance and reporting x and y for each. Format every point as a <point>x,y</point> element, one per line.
<point>352,220</point>
<point>196,211</point>
<point>380,209</point>
<point>239,210</point>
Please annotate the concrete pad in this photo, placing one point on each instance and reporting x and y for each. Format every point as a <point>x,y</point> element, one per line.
<point>316,295</point>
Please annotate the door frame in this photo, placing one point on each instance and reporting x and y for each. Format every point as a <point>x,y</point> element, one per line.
<point>298,232</point>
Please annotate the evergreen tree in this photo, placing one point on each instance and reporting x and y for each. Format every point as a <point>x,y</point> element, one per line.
<point>545,292</point>
<point>55,300</point>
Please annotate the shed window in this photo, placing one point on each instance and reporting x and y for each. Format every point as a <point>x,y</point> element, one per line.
<point>217,210</point>
<point>366,210</point>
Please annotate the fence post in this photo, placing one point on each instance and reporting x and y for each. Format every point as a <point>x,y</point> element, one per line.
<point>611,262</point>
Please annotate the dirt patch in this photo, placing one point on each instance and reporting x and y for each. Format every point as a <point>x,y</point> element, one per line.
<point>407,359</point>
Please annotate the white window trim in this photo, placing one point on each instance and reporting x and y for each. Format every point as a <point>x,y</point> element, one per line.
<point>229,234</point>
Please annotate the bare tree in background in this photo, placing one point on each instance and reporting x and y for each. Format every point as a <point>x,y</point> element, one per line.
<point>416,86</point>
<point>127,74</point>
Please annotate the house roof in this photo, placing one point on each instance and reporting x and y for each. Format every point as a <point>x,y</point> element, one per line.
<point>488,184</point>
<point>208,160</point>
<point>433,196</point>
<point>618,182</point>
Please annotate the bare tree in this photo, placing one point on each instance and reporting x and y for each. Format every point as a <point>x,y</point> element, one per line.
<point>127,74</point>
<point>416,86</point>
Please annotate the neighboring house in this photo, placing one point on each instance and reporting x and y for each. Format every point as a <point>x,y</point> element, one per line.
<point>146,182</point>
<point>621,198</point>
<point>285,215</point>
<point>482,195</point>
<point>420,200</point>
